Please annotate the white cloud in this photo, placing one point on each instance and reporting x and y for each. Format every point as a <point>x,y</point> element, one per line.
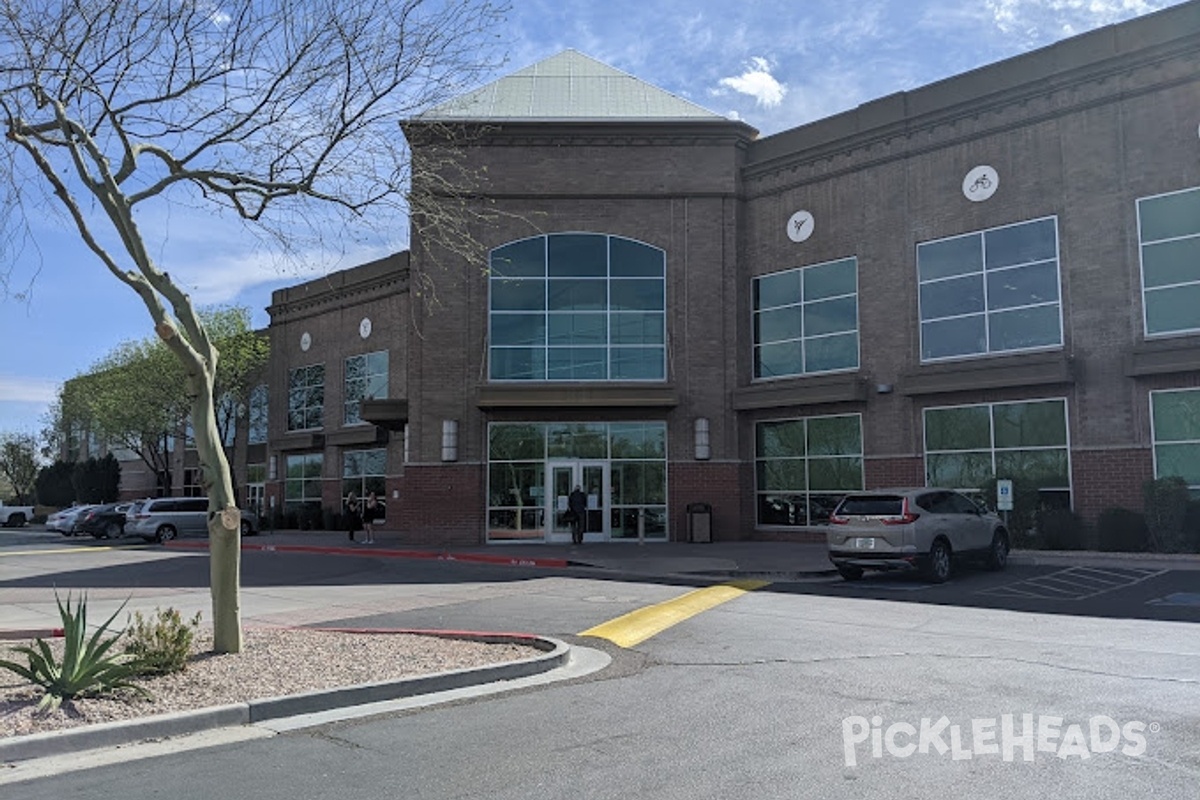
<point>1041,20</point>
<point>23,389</point>
<point>219,278</point>
<point>758,82</point>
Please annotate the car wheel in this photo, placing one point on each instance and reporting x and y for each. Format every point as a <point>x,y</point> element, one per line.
<point>998,553</point>
<point>850,573</point>
<point>939,562</point>
<point>112,531</point>
<point>165,533</point>
<point>15,521</point>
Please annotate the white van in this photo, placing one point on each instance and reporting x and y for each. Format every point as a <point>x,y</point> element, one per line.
<point>161,519</point>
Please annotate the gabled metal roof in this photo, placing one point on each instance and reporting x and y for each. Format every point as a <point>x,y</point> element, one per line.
<point>569,87</point>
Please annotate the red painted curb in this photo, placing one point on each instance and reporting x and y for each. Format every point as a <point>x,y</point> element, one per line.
<point>33,633</point>
<point>475,558</point>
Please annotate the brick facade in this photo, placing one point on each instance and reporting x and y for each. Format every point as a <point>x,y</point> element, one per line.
<point>1076,132</point>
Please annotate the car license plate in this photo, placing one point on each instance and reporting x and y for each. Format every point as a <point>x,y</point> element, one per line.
<point>864,543</point>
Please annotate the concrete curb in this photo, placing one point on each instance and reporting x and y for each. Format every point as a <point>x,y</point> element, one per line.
<point>111,734</point>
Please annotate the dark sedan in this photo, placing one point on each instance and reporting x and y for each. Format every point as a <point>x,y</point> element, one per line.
<point>104,522</point>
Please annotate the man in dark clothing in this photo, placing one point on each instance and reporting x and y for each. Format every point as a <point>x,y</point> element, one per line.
<point>577,505</point>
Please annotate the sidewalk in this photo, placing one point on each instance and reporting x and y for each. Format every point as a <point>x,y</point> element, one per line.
<point>661,559</point>
<point>773,559</point>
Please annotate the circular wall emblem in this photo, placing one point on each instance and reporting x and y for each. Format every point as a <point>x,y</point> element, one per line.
<point>364,327</point>
<point>800,226</point>
<point>980,184</point>
<point>305,341</point>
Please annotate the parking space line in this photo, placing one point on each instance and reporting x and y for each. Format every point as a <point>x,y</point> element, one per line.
<point>637,626</point>
<point>1082,583</point>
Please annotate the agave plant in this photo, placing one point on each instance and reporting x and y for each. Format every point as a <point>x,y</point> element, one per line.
<point>86,667</point>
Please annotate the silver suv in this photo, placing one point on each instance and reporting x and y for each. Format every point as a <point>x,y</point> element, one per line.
<point>164,518</point>
<point>919,529</point>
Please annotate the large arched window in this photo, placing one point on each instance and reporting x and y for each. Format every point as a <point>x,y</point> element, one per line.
<point>577,307</point>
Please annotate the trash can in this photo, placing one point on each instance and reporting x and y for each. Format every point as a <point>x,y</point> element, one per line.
<point>699,522</point>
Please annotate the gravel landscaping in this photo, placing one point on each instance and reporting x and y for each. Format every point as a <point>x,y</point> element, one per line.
<point>273,663</point>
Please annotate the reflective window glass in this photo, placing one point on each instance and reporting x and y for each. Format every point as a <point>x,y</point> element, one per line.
<point>598,294</point>
<point>1175,428</point>
<point>967,446</point>
<point>797,310</point>
<point>1169,229</point>
<point>804,466</point>
<point>995,291</point>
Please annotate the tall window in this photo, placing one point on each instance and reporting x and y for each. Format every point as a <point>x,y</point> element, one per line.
<point>363,472</point>
<point>257,423</point>
<point>967,446</point>
<point>804,466</point>
<point>577,307</point>
<point>806,320</point>
<point>1175,430</point>
<point>995,291</point>
<point>1169,232</point>
<point>306,397</point>
<point>366,379</point>
<point>302,482</point>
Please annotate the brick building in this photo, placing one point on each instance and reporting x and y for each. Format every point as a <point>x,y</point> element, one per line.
<point>997,275</point>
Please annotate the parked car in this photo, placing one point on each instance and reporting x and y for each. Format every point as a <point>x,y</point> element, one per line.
<point>922,529</point>
<point>161,519</point>
<point>104,522</point>
<point>65,521</point>
<point>14,516</point>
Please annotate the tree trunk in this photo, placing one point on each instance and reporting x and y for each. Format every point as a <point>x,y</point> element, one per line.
<point>224,523</point>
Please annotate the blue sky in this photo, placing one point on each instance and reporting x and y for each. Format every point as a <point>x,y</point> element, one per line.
<point>774,63</point>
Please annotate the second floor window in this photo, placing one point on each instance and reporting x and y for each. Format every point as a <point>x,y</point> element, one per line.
<point>994,291</point>
<point>1169,232</point>
<point>366,379</point>
<point>257,422</point>
<point>806,320</point>
<point>577,307</point>
<point>306,397</point>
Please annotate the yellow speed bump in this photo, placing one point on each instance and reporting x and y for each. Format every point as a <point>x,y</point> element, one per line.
<point>638,626</point>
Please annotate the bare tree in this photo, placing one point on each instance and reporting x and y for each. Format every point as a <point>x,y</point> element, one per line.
<point>258,108</point>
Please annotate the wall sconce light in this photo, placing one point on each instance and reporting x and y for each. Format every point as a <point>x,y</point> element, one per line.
<point>449,440</point>
<point>274,471</point>
<point>703,450</point>
<point>883,388</point>
<point>406,443</point>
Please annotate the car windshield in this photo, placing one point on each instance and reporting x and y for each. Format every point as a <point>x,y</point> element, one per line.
<point>873,506</point>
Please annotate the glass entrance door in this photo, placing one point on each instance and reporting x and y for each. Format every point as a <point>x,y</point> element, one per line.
<point>563,477</point>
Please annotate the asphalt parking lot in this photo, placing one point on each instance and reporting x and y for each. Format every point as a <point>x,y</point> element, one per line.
<point>1126,592</point>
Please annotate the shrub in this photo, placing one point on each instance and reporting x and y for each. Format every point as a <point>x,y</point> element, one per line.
<point>1060,529</point>
<point>1121,530</point>
<point>1191,527</point>
<point>86,667</point>
<point>161,644</point>
<point>1028,503</point>
<point>1166,502</point>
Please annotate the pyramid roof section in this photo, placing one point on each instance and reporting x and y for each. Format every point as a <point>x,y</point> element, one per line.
<point>569,87</point>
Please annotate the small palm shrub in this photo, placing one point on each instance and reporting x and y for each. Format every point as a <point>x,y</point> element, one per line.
<point>87,667</point>
<point>161,644</point>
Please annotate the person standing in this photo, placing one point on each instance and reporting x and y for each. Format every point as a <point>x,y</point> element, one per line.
<point>577,505</point>
<point>353,516</point>
<point>371,512</point>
